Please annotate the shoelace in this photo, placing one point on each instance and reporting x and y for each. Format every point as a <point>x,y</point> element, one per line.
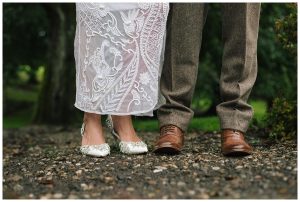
<point>169,129</point>
<point>234,134</point>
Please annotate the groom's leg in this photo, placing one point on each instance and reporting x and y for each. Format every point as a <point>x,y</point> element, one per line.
<point>239,68</point>
<point>179,74</point>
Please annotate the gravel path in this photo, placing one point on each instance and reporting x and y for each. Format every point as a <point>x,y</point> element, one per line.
<point>45,162</point>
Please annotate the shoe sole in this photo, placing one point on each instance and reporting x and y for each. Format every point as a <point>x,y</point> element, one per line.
<point>96,156</point>
<point>237,153</point>
<point>167,150</point>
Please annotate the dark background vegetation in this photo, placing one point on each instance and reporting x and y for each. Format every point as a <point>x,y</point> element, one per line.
<point>39,69</point>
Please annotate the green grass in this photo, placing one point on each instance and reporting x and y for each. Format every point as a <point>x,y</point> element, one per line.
<point>204,123</point>
<point>24,117</point>
<point>260,109</point>
<point>18,119</point>
<point>145,125</point>
<point>21,95</point>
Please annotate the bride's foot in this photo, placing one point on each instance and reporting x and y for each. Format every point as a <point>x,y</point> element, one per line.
<point>122,128</point>
<point>93,142</point>
<point>93,134</point>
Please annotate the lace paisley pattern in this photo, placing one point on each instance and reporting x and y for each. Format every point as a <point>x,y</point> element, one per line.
<point>118,51</point>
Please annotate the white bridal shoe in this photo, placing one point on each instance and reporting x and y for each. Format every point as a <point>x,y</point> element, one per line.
<point>100,150</point>
<point>126,147</point>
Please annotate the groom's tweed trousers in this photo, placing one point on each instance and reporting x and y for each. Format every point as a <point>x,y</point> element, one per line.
<point>240,23</point>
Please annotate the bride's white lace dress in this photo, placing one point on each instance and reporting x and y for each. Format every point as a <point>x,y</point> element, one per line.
<point>118,51</point>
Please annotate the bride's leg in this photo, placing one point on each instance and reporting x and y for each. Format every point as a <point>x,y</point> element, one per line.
<point>93,133</point>
<point>123,126</point>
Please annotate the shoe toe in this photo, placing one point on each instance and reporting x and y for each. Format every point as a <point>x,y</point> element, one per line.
<point>95,150</point>
<point>133,147</point>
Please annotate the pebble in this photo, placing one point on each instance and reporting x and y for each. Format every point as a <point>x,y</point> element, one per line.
<point>258,177</point>
<point>108,179</point>
<point>136,166</point>
<point>86,187</point>
<point>15,178</point>
<point>86,196</point>
<point>130,189</point>
<point>72,196</point>
<point>181,184</point>
<point>203,196</point>
<point>159,169</point>
<point>40,173</point>
<point>153,182</point>
<point>151,195</point>
<point>180,193</point>
<point>18,188</point>
<point>57,195</point>
<point>75,178</point>
<point>79,172</point>
<point>196,165</point>
<point>46,196</point>
<point>191,192</point>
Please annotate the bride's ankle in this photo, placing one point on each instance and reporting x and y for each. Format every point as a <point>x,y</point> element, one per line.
<point>91,117</point>
<point>93,132</point>
<point>123,124</point>
<point>124,127</point>
<point>93,137</point>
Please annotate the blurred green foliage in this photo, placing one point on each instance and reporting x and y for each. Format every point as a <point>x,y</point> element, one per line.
<point>277,66</point>
<point>286,29</point>
<point>282,119</point>
<point>210,63</point>
<point>260,110</point>
<point>25,28</point>
<point>277,74</point>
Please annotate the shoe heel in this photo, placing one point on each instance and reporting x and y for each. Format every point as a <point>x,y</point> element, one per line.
<point>82,129</point>
<point>110,126</point>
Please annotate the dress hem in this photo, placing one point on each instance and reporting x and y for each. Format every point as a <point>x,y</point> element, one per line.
<point>139,113</point>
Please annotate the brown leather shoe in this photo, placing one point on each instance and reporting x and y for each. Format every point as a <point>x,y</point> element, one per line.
<point>170,140</point>
<point>234,144</point>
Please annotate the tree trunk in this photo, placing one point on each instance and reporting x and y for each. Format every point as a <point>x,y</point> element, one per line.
<point>56,99</point>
